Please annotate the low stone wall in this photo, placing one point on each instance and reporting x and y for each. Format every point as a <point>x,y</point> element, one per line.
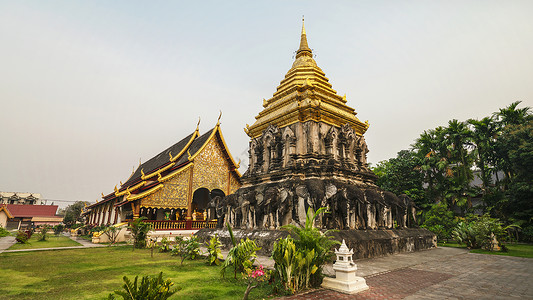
<point>366,243</point>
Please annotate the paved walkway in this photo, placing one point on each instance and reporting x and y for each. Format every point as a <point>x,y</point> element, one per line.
<point>443,273</point>
<point>6,242</point>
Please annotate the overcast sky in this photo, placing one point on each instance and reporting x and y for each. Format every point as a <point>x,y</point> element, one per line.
<point>87,88</point>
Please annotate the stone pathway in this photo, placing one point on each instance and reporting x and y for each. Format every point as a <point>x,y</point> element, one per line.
<point>442,273</point>
<point>6,242</point>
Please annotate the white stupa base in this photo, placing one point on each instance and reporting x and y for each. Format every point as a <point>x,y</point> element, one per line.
<point>358,284</point>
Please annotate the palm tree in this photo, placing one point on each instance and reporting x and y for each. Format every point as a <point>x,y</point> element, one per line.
<point>511,115</point>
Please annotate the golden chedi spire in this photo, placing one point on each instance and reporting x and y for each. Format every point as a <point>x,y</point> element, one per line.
<point>305,94</point>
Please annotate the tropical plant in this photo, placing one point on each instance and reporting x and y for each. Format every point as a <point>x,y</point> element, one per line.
<point>43,232</point>
<point>23,236</point>
<point>58,229</point>
<point>440,220</point>
<point>186,248</point>
<point>313,246</point>
<point>112,233</point>
<point>254,277</point>
<point>164,245</point>
<point>240,255</point>
<point>139,231</point>
<point>214,254</point>
<point>479,232</point>
<point>150,288</point>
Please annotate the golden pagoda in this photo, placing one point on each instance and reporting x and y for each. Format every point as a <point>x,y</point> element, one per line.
<point>306,129</point>
<point>305,94</point>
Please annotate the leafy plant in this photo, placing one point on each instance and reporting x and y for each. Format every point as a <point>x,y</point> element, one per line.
<point>164,245</point>
<point>186,248</point>
<point>139,231</point>
<point>479,232</point>
<point>312,249</point>
<point>22,237</point>
<point>254,277</point>
<point>43,232</point>
<point>214,254</point>
<point>440,220</point>
<point>150,288</point>
<point>112,232</point>
<point>3,232</point>
<point>58,229</point>
<point>240,255</point>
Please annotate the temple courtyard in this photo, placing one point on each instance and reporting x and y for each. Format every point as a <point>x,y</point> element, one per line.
<point>442,273</point>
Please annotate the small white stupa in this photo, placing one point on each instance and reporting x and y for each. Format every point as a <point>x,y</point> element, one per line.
<point>345,280</point>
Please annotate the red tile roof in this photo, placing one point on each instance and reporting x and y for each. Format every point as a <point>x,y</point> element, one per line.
<point>21,210</point>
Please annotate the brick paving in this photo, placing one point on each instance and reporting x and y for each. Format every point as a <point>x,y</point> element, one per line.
<point>453,275</point>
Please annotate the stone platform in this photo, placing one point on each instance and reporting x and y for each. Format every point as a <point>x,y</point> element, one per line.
<point>366,243</point>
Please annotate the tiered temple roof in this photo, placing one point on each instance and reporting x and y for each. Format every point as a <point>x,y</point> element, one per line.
<point>305,94</point>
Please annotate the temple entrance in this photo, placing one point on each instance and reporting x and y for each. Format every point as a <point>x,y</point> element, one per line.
<point>202,203</point>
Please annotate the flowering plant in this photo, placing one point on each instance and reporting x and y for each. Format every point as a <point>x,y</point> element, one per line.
<point>254,276</point>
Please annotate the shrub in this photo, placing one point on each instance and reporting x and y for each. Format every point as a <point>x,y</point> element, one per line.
<point>186,248</point>
<point>214,254</point>
<point>22,237</point>
<point>58,229</point>
<point>240,255</point>
<point>479,232</point>
<point>312,249</point>
<point>164,245</point>
<point>43,232</point>
<point>440,221</point>
<point>254,277</point>
<point>3,232</point>
<point>111,232</point>
<point>139,231</point>
<point>150,288</point>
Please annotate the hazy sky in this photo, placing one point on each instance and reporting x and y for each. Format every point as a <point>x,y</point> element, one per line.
<point>87,88</point>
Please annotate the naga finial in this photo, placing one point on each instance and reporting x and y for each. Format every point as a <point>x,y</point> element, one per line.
<point>198,125</point>
<point>170,155</point>
<point>189,155</point>
<point>218,121</point>
<point>142,173</point>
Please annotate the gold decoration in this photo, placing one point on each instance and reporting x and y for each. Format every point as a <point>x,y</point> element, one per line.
<point>210,168</point>
<point>142,173</point>
<point>305,94</point>
<point>170,154</point>
<point>130,187</point>
<point>173,194</point>
<point>144,194</point>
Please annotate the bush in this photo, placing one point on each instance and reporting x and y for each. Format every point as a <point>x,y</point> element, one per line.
<point>23,236</point>
<point>3,232</point>
<point>479,232</point>
<point>111,232</point>
<point>305,260</point>
<point>440,221</point>
<point>43,232</point>
<point>240,255</point>
<point>150,288</point>
<point>214,254</point>
<point>164,245</point>
<point>139,231</point>
<point>58,229</point>
<point>186,248</point>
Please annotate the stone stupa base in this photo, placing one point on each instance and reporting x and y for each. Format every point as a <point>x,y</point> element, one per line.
<point>347,287</point>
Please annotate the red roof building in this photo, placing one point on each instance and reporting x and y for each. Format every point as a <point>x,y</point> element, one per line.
<point>19,216</point>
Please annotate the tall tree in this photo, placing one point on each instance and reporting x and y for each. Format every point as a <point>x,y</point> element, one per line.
<point>73,213</point>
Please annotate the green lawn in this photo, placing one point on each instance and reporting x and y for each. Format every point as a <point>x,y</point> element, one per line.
<point>517,250</point>
<point>52,241</point>
<point>92,273</point>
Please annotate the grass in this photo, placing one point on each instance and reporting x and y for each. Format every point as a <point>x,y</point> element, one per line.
<point>52,241</point>
<point>516,250</point>
<point>93,273</point>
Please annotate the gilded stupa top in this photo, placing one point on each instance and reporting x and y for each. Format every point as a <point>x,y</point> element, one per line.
<point>305,94</point>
